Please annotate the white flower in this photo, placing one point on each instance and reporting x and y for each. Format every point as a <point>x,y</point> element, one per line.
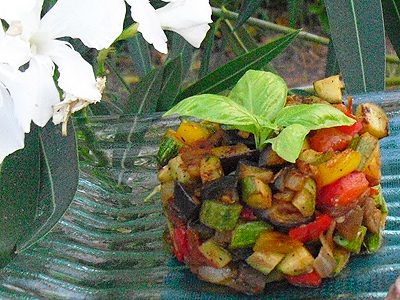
<point>189,18</point>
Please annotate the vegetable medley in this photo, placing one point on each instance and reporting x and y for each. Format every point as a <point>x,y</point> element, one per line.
<point>246,207</point>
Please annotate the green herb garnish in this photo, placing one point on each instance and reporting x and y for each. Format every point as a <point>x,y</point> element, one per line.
<point>257,105</point>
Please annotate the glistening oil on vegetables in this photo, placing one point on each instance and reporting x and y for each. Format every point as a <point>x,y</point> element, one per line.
<point>269,187</point>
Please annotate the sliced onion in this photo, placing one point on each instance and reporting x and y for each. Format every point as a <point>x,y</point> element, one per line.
<point>324,264</point>
<point>214,275</point>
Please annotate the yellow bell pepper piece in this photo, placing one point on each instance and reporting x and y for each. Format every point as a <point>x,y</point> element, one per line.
<point>339,165</point>
<point>191,132</point>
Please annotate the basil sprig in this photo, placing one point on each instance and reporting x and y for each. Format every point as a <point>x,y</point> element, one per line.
<point>257,104</point>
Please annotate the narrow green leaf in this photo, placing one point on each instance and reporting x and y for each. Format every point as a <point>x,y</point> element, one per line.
<point>171,84</point>
<point>391,11</point>
<point>59,181</point>
<point>261,93</point>
<point>312,116</point>
<point>247,9</point>
<point>358,36</point>
<point>179,46</point>
<point>145,94</point>
<point>227,75</point>
<point>209,45</point>
<point>289,142</point>
<point>19,192</point>
<point>332,65</point>
<point>293,10</point>
<point>140,54</point>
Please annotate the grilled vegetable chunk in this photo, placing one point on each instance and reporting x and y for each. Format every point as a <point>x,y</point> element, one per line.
<point>297,262</point>
<point>256,193</point>
<point>330,89</point>
<point>169,147</point>
<point>219,216</point>
<point>373,119</point>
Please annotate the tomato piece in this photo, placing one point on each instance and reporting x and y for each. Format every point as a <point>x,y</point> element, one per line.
<point>311,231</point>
<point>180,242</point>
<point>327,139</point>
<point>343,191</point>
<point>247,214</point>
<point>307,279</point>
<point>195,257</point>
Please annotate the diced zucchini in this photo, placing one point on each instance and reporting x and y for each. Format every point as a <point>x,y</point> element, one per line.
<point>191,132</point>
<point>256,193</point>
<point>330,89</point>
<point>229,151</point>
<point>178,170</point>
<point>353,245</point>
<point>366,147</point>
<point>297,262</point>
<point>245,169</point>
<point>264,262</point>
<point>342,257</point>
<point>220,216</point>
<point>245,235</point>
<point>313,157</point>
<point>305,200</point>
<point>210,168</point>
<point>169,147</point>
<point>373,119</point>
<point>380,200</point>
<point>373,242</point>
<point>216,254</point>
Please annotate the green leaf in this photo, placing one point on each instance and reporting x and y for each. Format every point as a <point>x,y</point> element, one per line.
<point>145,94</point>
<point>180,47</point>
<point>262,93</point>
<point>140,54</point>
<point>227,75</point>
<point>358,36</point>
<point>247,9</point>
<point>289,142</point>
<point>293,8</point>
<point>59,175</point>
<point>19,192</point>
<point>312,116</point>
<point>171,84</point>
<point>332,65</point>
<point>391,12</point>
<point>207,51</point>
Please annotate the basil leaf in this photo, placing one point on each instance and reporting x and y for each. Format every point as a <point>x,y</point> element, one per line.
<point>215,108</point>
<point>262,93</point>
<point>312,116</point>
<point>289,142</point>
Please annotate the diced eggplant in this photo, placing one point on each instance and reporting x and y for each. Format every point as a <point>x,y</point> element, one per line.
<point>247,168</point>
<point>373,119</point>
<point>185,203</point>
<point>231,155</point>
<point>350,226</point>
<point>210,168</point>
<point>240,254</point>
<point>294,180</point>
<point>169,147</point>
<point>283,215</point>
<point>330,89</point>
<point>256,193</point>
<point>203,231</point>
<point>246,234</point>
<point>223,238</point>
<point>220,216</point>
<point>269,158</point>
<point>217,255</point>
<point>372,216</point>
<point>305,199</point>
<point>234,137</point>
<point>248,281</point>
<point>224,189</point>
<point>265,262</point>
<point>297,262</point>
<point>352,245</point>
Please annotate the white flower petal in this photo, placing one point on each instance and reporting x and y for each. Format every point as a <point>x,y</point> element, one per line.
<point>14,51</point>
<point>97,23</point>
<point>76,74</point>
<point>149,24</point>
<point>19,88</point>
<point>12,10</point>
<point>44,93</point>
<point>194,35</point>
<point>184,14</point>
<point>11,134</point>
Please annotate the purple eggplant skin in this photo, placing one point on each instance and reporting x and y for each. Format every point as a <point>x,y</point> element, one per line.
<point>234,139</point>
<point>282,216</point>
<point>248,280</point>
<point>229,164</point>
<point>186,206</point>
<point>226,185</point>
<point>202,230</point>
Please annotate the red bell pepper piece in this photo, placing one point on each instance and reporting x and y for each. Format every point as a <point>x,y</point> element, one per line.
<point>180,242</point>
<point>195,257</point>
<point>352,129</point>
<point>308,279</point>
<point>329,139</point>
<point>311,231</point>
<point>343,191</point>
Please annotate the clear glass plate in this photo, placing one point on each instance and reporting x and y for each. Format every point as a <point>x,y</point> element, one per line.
<point>109,243</point>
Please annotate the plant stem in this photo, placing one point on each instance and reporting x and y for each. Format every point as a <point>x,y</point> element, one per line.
<point>230,15</point>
